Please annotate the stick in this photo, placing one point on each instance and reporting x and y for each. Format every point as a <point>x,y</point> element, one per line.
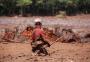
<point>56,40</point>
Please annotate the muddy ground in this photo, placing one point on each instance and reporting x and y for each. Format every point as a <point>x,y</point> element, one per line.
<point>59,52</point>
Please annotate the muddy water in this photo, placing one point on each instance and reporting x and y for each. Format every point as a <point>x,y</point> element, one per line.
<point>72,22</point>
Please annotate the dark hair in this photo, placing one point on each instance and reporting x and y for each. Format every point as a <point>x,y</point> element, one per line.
<point>38,23</point>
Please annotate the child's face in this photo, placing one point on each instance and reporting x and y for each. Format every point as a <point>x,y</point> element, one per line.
<point>38,26</point>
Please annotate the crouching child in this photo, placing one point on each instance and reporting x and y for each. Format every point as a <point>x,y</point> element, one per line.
<point>39,44</point>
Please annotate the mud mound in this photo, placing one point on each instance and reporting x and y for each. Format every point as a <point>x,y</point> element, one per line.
<point>52,34</point>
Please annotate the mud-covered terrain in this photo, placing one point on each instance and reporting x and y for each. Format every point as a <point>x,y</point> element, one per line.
<point>58,52</point>
<point>74,21</point>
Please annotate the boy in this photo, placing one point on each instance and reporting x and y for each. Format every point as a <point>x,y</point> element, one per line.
<point>38,42</point>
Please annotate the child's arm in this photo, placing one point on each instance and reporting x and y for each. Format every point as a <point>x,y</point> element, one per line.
<point>45,38</point>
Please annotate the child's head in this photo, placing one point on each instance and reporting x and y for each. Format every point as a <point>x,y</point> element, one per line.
<point>38,23</point>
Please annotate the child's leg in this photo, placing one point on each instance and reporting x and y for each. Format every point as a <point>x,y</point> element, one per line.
<point>33,49</point>
<point>42,50</point>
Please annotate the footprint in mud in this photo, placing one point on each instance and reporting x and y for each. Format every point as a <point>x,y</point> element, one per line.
<point>3,57</point>
<point>76,54</point>
<point>6,58</point>
<point>87,57</point>
<point>5,42</point>
<point>16,57</point>
<point>22,55</point>
<point>19,56</point>
<point>35,60</point>
<point>29,58</point>
<point>9,56</point>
